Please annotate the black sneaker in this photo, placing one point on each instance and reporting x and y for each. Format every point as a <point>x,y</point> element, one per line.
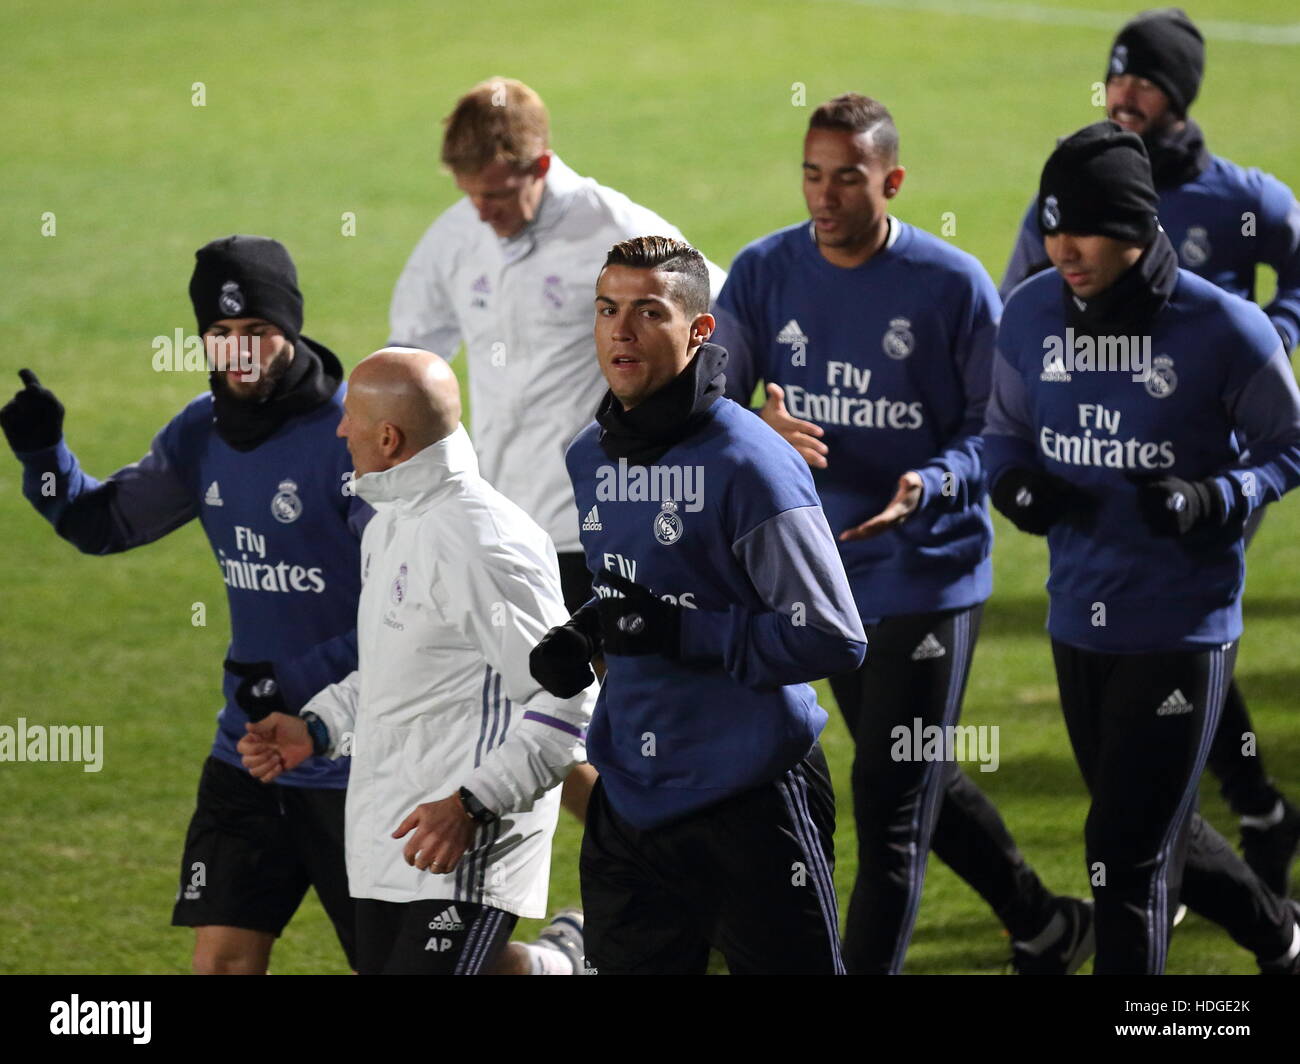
<point>1062,946</point>
<point>1288,965</point>
<point>1270,850</point>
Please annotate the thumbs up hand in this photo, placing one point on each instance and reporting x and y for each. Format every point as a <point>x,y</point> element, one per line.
<point>33,419</point>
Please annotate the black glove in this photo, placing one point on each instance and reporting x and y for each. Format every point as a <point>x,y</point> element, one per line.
<point>258,693</point>
<point>1032,499</point>
<point>1172,506</point>
<point>640,622</point>
<point>561,662</point>
<point>33,418</point>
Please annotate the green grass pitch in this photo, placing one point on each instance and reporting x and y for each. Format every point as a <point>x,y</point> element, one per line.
<point>314,111</point>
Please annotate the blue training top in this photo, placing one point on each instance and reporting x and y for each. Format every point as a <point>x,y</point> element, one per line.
<point>893,360</point>
<point>1217,369</point>
<point>728,526</point>
<point>282,523</point>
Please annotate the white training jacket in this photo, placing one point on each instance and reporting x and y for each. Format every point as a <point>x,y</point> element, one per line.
<point>524,308</point>
<point>458,586</point>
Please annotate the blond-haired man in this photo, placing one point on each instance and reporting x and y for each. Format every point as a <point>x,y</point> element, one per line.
<point>508,271</point>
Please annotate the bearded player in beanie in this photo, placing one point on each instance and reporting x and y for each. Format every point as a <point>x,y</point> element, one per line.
<point>256,460</point>
<point>1223,220</point>
<point>1142,488</point>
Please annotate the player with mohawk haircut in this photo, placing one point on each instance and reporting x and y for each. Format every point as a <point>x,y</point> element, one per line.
<point>712,823</point>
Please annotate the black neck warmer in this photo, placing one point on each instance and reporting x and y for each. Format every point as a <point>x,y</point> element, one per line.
<point>643,434</point>
<point>311,379</point>
<point>1128,306</point>
<point>1178,157</point>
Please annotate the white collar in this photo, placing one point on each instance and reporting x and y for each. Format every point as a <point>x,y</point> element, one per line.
<point>419,480</point>
<point>558,191</point>
<point>895,229</point>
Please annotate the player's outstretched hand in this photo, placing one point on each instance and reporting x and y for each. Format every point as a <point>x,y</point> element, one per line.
<point>904,503</point>
<point>803,436</point>
<point>274,745</point>
<point>443,832</point>
<point>33,419</point>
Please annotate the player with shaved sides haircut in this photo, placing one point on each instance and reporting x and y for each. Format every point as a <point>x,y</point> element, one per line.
<point>686,268</point>
<point>506,272</point>
<point>713,821</point>
<point>874,339</point>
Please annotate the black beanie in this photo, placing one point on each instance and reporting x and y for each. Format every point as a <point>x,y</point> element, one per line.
<point>1098,182</point>
<point>1165,47</point>
<point>246,277</point>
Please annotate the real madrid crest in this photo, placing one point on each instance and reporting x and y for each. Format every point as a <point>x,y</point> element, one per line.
<point>553,291</point>
<point>286,507</point>
<point>1119,59</point>
<point>1195,248</point>
<point>1051,214</point>
<point>898,340</point>
<point>398,591</point>
<point>667,525</point>
<point>1162,380</point>
<point>231,300</point>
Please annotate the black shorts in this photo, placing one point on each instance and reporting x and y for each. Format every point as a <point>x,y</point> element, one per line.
<point>430,937</point>
<point>749,876</point>
<point>575,580</point>
<point>252,851</point>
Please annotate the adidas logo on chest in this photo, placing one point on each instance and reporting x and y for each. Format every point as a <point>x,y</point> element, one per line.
<point>791,334</point>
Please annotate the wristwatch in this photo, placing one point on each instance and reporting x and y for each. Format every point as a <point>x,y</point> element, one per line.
<point>318,730</point>
<point>474,809</point>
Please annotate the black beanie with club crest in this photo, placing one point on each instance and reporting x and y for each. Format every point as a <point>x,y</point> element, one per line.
<point>246,277</point>
<point>1165,47</point>
<point>1098,182</point>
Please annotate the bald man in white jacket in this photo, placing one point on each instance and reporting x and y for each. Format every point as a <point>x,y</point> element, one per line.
<point>455,748</point>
